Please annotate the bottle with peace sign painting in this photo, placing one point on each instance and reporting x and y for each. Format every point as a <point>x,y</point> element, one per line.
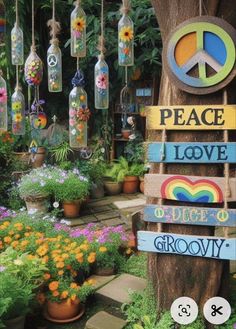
<point>54,63</point>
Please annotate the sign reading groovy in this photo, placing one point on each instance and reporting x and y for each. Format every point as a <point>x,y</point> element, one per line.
<point>192,153</point>
<point>190,215</point>
<point>191,117</point>
<point>187,245</point>
<point>200,55</point>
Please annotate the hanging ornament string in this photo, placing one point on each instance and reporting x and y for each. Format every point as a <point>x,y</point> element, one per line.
<point>226,169</point>
<point>101,39</point>
<point>33,35</point>
<point>200,7</point>
<point>17,14</point>
<point>55,27</point>
<point>17,67</point>
<point>125,8</point>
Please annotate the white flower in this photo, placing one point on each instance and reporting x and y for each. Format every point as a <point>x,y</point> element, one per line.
<point>103,150</point>
<point>22,209</point>
<point>132,137</point>
<point>121,45</point>
<point>63,221</point>
<point>73,132</point>
<point>18,262</point>
<point>32,211</point>
<point>56,204</point>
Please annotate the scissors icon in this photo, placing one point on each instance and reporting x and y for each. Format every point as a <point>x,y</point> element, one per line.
<point>216,310</point>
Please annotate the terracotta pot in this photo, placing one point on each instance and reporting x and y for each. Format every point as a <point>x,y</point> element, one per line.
<point>39,157</point>
<point>24,157</point>
<point>97,191</point>
<point>40,204</point>
<point>71,208</point>
<point>17,323</point>
<point>113,188</point>
<point>63,310</point>
<point>104,271</point>
<point>141,185</point>
<point>131,184</point>
<point>126,133</point>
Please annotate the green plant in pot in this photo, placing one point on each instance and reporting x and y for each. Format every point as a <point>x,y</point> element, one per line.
<point>21,145</point>
<point>131,179</point>
<point>114,177</point>
<point>71,189</point>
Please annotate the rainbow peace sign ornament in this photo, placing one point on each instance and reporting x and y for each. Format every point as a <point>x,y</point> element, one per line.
<point>200,54</point>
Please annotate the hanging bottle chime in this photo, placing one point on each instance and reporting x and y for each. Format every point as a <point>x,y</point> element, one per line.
<point>78,112</point>
<point>18,112</point>
<point>3,104</point>
<point>101,72</point>
<point>54,60</point>
<point>125,37</point>
<point>17,42</point>
<point>78,31</point>
<point>33,68</point>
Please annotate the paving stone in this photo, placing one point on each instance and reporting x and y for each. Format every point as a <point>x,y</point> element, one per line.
<point>102,202</point>
<point>107,215</point>
<point>117,291</point>
<point>75,222</point>
<point>100,281</point>
<point>113,222</point>
<point>98,209</point>
<point>104,320</point>
<point>89,219</point>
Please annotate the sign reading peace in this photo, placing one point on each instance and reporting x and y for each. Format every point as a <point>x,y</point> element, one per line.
<point>52,60</point>
<point>200,55</point>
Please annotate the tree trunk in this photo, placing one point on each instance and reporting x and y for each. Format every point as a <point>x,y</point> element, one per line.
<point>175,276</point>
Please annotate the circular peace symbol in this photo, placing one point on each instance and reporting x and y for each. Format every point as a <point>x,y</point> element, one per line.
<point>200,55</point>
<point>52,60</point>
<point>222,215</point>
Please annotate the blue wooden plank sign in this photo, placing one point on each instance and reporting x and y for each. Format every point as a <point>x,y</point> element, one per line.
<point>187,245</point>
<point>192,152</point>
<point>190,215</point>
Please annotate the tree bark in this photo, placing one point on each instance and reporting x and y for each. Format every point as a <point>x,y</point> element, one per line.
<point>176,276</point>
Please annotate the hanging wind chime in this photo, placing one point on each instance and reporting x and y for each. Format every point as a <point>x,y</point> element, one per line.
<point>78,104</point>
<point>3,104</point>
<point>17,99</point>
<point>78,31</point>
<point>54,60</point>
<point>101,71</point>
<point>34,76</point>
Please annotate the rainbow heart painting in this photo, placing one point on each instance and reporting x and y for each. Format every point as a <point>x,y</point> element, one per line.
<point>183,189</point>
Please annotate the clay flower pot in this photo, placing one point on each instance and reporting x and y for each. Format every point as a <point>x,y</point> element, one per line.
<point>39,157</point>
<point>71,208</point>
<point>64,310</point>
<point>126,133</point>
<point>131,184</point>
<point>24,157</point>
<point>39,205</point>
<point>112,188</point>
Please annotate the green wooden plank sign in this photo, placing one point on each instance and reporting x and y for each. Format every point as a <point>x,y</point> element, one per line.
<point>187,245</point>
<point>190,215</point>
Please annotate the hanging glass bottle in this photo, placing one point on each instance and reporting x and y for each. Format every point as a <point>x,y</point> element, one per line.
<point>78,117</point>
<point>18,113</point>
<point>101,78</point>
<point>78,32</point>
<point>3,104</point>
<point>54,63</point>
<point>17,46</point>
<point>126,41</point>
<point>33,69</point>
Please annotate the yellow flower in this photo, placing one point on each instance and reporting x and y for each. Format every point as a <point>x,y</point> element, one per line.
<point>16,106</point>
<point>126,34</point>
<point>91,258</point>
<point>61,272</point>
<point>18,117</point>
<point>42,250</point>
<point>60,265</point>
<point>73,297</point>
<point>64,294</point>
<point>84,247</point>
<point>78,24</point>
<point>6,224</point>
<point>53,285</point>
<point>102,249</point>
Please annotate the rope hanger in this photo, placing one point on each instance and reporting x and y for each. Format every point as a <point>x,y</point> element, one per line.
<point>101,38</point>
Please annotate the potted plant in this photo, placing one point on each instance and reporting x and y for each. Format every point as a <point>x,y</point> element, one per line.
<point>131,178</point>
<point>37,158</point>
<point>71,188</point>
<point>19,279</point>
<point>34,189</point>
<point>96,176</point>
<point>21,145</point>
<point>113,179</point>
<point>60,153</point>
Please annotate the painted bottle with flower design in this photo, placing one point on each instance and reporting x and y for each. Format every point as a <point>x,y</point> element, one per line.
<point>18,112</point>
<point>78,117</point>
<point>33,69</point>
<point>54,63</point>
<point>101,88</point>
<point>3,104</point>
<point>125,41</point>
<point>17,46</point>
<point>78,32</point>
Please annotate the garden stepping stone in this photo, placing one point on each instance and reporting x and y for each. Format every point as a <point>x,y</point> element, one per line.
<point>130,203</point>
<point>100,281</point>
<point>104,320</point>
<point>82,220</point>
<point>107,215</point>
<point>117,291</point>
<point>113,222</point>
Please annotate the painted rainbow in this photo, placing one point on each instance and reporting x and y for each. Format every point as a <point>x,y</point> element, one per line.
<point>183,189</point>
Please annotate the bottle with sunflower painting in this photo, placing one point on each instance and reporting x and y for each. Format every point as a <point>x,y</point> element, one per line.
<point>3,104</point>
<point>17,46</point>
<point>18,112</point>
<point>78,32</point>
<point>78,117</point>
<point>126,41</point>
<point>101,78</point>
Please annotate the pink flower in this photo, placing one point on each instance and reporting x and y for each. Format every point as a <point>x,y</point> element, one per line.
<point>77,34</point>
<point>101,81</point>
<point>3,95</point>
<point>72,122</point>
<point>72,112</point>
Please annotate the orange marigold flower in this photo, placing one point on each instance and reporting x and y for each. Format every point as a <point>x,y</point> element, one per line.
<point>65,256</point>
<point>7,239</point>
<point>11,232</point>
<point>91,259</point>
<point>45,259</point>
<point>60,265</point>
<point>47,276</point>
<point>24,243</point>
<point>17,236</point>
<point>73,285</point>
<point>53,285</point>
<point>27,234</point>
<point>61,272</point>
<point>55,293</point>
<point>42,250</point>
<point>103,249</point>
<point>14,243</point>
<point>84,247</point>
<point>64,294</point>
<point>6,223</point>
<point>73,297</point>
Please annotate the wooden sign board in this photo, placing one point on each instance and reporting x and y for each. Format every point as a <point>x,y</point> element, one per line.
<point>192,152</point>
<point>191,117</point>
<point>187,245</point>
<point>188,188</point>
<point>190,215</point>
